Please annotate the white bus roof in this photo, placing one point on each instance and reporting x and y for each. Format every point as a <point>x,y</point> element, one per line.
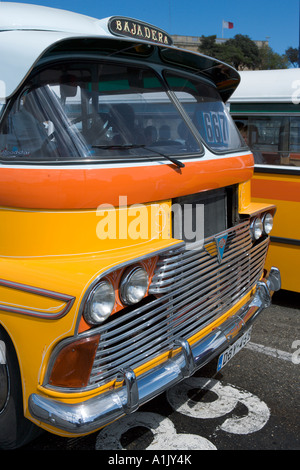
<point>22,16</point>
<point>28,31</point>
<point>267,86</point>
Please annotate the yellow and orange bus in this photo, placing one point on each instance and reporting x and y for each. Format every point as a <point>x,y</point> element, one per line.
<point>267,111</point>
<point>131,252</point>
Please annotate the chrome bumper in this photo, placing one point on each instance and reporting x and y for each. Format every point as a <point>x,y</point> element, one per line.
<point>90,415</point>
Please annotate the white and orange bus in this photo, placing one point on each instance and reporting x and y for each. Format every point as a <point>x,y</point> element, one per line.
<point>267,111</point>
<point>131,253</point>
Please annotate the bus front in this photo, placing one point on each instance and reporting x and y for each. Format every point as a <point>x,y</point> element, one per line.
<point>131,253</point>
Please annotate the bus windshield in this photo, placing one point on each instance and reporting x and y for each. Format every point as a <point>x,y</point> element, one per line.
<point>109,111</point>
<point>207,112</point>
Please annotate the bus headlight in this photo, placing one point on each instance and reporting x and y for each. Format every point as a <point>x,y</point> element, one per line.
<point>256,228</point>
<point>133,286</point>
<point>267,223</point>
<point>100,303</point>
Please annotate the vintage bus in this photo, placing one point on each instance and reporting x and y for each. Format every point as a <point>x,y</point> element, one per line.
<point>267,111</point>
<point>131,252</point>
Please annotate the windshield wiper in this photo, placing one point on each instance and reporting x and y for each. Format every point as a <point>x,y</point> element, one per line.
<point>176,162</point>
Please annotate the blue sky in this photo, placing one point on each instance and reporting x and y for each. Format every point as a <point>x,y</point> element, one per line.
<point>275,19</point>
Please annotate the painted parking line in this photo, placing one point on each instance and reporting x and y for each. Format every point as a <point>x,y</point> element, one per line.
<point>277,353</point>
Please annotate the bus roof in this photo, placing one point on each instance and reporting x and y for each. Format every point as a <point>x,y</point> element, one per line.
<point>28,32</point>
<point>22,17</point>
<point>265,86</point>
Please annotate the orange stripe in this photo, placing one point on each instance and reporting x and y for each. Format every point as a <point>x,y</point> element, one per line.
<point>276,190</point>
<point>63,188</point>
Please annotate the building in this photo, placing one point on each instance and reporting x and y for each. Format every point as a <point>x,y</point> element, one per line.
<point>192,43</point>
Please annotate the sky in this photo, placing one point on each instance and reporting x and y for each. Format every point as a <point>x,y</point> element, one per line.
<point>275,20</point>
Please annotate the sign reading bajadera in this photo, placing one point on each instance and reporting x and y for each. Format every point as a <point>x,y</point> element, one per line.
<point>139,30</point>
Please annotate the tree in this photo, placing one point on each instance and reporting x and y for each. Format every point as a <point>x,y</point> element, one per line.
<point>292,54</point>
<point>243,53</point>
<point>209,46</point>
<point>270,60</point>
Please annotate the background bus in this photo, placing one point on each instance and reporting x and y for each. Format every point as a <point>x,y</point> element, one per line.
<point>266,109</point>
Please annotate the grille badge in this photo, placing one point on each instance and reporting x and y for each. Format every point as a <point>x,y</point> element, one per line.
<point>221,244</point>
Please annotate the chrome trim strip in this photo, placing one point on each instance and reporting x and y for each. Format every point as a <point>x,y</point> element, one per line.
<point>67,299</point>
<point>285,241</point>
<point>90,415</point>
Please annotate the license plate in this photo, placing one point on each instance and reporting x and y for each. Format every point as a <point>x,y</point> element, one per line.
<point>233,349</point>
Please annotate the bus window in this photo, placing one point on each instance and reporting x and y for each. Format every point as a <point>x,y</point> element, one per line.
<point>208,113</point>
<point>87,110</point>
<point>272,139</point>
<point>295,140</point>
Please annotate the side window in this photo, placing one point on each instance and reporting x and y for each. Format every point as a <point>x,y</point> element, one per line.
<point>274,140</point>
<point>23,133</point>
<point>37,128</point>
<point>295,140</point>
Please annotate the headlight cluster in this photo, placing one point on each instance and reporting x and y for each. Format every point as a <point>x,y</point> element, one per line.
<point>261,225</point>
<point>100,303</point>
<point>134,285</point>
<point>132,289</point>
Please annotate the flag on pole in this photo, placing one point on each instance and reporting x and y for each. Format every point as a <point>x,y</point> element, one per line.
<point>227,24</point>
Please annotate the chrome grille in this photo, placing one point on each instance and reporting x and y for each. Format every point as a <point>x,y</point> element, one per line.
<point>189,290</point>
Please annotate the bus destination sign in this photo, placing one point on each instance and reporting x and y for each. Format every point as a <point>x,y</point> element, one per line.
<point>138,30</point>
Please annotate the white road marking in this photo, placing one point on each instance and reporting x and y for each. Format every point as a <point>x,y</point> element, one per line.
<point>164,433</point>
<point>225,402</point>
<point>165,436</point>
<point>269,351</point>
<point>227,398</point>
<point>258,415</point>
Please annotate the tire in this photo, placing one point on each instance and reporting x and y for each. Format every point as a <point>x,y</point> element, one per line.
<point>15,429</point>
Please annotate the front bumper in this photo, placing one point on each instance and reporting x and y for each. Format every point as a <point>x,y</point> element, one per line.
<point>90,415</point>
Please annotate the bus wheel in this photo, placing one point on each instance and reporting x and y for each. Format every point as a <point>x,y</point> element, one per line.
<point>15,429</point>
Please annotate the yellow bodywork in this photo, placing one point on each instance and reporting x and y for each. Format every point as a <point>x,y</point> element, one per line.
<point>284,192</point>
<point>61,252</point>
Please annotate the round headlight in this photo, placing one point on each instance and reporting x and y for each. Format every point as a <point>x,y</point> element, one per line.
<point>267,223</point>
<point>133,286</point>
<point>100,303</point>
<point>256,228</point>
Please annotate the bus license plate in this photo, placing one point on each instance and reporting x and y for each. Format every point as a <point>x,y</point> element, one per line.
<point>233,349</point>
